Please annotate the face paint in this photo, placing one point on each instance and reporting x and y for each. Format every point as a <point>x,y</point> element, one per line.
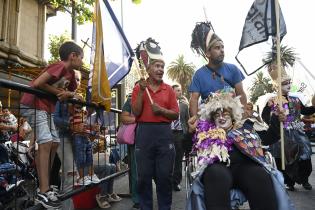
<point>223,120</point>
<point>286,88</point>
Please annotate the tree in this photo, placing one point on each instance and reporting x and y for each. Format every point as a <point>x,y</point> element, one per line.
<point>261,86</point>
<point>83,9</point>
<point>54,44</point>
<point>181,72</point>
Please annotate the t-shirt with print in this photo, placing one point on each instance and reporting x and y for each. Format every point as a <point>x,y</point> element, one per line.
<point>205,82</point>
<point>61,78</point>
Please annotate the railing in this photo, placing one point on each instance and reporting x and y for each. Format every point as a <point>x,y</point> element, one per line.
<point>107,135</point>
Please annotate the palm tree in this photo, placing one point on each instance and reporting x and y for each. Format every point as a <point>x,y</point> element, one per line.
<point>287,57</point>
<point>181,72</point>
<point>261,86</point>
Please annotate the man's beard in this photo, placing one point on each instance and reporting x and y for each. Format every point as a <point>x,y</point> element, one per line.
<point>217,61</point>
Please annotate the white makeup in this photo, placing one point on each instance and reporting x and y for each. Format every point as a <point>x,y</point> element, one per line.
<point>223,120</point>
<point>286,88</point>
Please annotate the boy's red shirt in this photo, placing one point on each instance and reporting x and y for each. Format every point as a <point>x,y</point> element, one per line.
<point>61,78</point>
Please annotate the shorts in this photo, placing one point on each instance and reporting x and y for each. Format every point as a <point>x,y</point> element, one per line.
<point>42,123</point>
<point>83,154</point>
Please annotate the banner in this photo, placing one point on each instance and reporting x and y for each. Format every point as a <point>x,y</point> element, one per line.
<point>98,80</point>
<point>260,25</point>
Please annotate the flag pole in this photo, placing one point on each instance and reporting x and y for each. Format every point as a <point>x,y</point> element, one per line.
<point>279,80</point>
<point>142,77</point>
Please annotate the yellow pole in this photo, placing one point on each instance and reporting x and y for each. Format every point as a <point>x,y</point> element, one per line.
<point>279,82</point>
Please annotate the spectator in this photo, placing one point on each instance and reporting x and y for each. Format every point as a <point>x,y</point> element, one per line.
<point>106,195</point>
<point>309,121</point>
<point>250,113</point>
<point>81,130</point>
<point>8,124</point>
<point>179,129</point>
<point>128,118</point>
<point>57,79</point>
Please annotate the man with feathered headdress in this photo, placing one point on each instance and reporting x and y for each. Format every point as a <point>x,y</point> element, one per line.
<point>155,150</point>
<point>216,75</point>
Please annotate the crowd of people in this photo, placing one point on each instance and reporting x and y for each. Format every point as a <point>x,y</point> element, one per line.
<point>234,145</point>
<point>231,142</point>
<point>53,122</point>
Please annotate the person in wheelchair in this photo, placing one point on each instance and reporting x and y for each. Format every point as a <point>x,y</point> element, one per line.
<point>232,163</point>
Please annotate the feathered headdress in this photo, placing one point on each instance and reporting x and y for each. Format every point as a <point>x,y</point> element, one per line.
<point>203,37</point>
<point>148,51</point>
<point>222,100</point>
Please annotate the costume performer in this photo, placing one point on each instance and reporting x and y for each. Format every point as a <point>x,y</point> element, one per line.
<point>233,166</point>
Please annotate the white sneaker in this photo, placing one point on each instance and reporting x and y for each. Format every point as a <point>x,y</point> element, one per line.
<point>84,181</point>
<point>48,200</point>
<point>94,179</point>
<point>57,192</point>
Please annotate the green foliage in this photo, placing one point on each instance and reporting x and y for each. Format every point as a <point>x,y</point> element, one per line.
<point>261,86</point>
<point>83,9</point>
<point>136,1</point>
<point>54,44</point>
<point>181,72</point>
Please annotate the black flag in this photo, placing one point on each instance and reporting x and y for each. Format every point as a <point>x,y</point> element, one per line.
<point>259,25</point>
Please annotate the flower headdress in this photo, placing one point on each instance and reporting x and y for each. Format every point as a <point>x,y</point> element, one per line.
<point>222,100</point>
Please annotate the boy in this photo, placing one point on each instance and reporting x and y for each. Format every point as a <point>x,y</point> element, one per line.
<point>82,144</point>
<point>54,79</point>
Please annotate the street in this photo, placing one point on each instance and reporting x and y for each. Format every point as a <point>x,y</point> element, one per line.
<point>303,199</point>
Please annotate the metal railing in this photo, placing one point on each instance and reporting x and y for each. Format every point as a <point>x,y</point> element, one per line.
<point>109,144</point>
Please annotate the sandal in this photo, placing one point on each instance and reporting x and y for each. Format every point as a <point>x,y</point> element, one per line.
<point>113,198</point>
<point>102,201</point>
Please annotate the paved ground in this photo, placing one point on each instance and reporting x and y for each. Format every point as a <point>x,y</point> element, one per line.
<point>303,199</point>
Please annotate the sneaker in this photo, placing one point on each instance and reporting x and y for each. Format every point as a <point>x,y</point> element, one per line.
<point>102,201</point>
<point>307,186</point>
<point>48,200</point>
<point>94,179</point>
<point>56,190</point>
<point>84,181</point>
<point>113,198</point>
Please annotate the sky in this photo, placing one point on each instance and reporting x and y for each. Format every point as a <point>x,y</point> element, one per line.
<point>170,22</point>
